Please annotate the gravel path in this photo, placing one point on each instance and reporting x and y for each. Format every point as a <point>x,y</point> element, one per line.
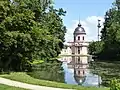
<point>26,86</point>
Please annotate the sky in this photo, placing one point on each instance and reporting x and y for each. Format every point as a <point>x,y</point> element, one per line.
<point>89,11</point>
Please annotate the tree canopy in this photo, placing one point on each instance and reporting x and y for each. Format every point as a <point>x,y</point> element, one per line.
<point>110,34</point>
<point>29,30</point>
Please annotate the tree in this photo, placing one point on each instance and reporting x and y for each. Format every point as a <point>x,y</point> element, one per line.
<point>95,48</point>
<point>29,30</point>
<point>111,32</point>
<point>4,9</point>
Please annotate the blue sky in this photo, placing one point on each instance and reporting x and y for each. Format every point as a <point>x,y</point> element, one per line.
<point>88,11</point>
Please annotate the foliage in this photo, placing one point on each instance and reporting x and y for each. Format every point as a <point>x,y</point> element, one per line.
<point>29,30</point>
<point>95,47</point>
<point>110,35</point>
<point>114,85</point>
<point>23,77</point>
<point>111,32</point>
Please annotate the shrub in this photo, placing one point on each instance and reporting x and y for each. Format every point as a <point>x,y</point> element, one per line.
<point>114,85</point>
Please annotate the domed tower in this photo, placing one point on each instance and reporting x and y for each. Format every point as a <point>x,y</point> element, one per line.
<point>79,46</point>
<point>79,34</point>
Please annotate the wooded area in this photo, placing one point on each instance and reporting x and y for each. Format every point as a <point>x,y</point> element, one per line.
<point>109,46</point>
<point>30,31</point>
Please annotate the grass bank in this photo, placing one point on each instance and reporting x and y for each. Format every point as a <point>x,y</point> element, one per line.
<point>23,77</point>
<point>5,87</point>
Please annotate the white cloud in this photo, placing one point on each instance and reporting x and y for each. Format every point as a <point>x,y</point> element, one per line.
<point>90,26</point>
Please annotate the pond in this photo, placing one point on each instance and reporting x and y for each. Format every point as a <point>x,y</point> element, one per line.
<point>90,73</point>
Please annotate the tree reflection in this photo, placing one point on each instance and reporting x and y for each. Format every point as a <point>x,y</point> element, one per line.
<point>48,71</point>
<point>106,69</point>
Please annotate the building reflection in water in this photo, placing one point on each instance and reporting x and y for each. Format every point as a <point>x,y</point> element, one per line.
<point>79,65</point>
<point>77,71</point>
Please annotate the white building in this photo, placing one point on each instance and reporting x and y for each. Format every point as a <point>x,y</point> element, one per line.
<point>77,47</point>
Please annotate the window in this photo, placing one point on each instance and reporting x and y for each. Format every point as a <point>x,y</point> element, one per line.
<point>78,51</point>
<point>83,37</point>
<point>78,72</point>
<point>78,59</point>
<point>83,72</point>
<point>78,37</point>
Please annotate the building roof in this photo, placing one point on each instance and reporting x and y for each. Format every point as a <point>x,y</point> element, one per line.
<point>79,30</point>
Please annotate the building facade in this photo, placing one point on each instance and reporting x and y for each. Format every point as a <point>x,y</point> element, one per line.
<point>77,47</point>
<point>79,44</point>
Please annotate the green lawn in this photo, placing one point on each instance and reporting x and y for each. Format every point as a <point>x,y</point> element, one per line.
<point>23,77</point>
<point>5,87</point>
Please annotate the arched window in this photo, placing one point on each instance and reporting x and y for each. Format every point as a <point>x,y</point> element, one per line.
<point>78,59</point>
<point>83,37</point>
<point>78,37</point>
<point>78,72</point>
<point>83,72</point>
<point>78,51</point>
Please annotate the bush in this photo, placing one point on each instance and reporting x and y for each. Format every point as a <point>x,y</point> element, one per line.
<point>114,85</point>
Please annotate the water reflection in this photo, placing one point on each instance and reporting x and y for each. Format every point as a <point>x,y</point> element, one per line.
<point>48,71</point>
<point>106,69</point>
<point>77,71</point>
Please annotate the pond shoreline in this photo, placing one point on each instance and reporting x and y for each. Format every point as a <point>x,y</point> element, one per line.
<point>23,77</point>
